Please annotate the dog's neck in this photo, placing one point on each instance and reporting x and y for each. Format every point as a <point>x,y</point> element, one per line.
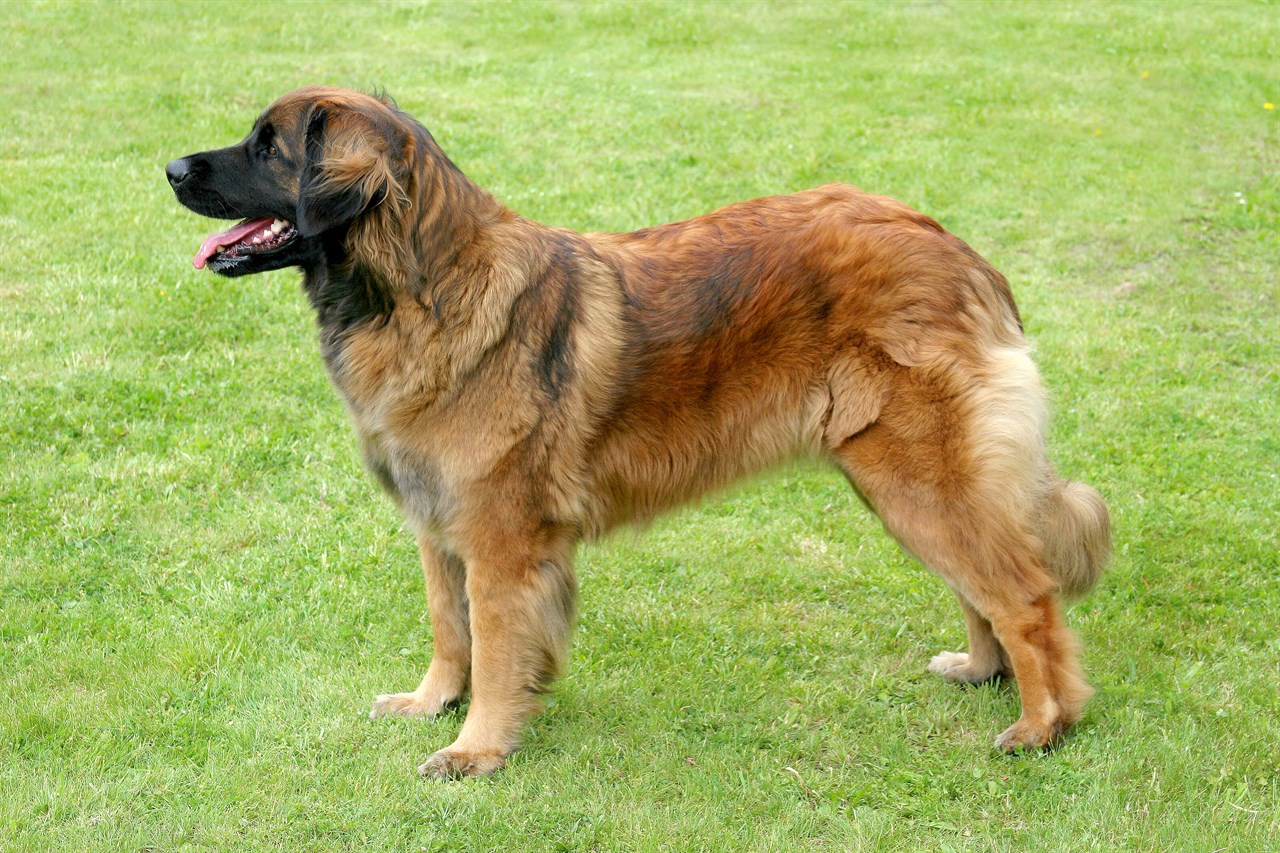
<point>432,247</point>
<point>431,227</point>
<point>343,296</point>
<point>455,212</point>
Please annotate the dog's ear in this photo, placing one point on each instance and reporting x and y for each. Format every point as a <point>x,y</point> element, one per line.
<point>346,170</point>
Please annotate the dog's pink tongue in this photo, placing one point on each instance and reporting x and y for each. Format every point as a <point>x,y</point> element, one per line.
<point>227,238</point>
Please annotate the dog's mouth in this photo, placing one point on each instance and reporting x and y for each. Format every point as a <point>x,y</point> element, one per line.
<point>250,237</point>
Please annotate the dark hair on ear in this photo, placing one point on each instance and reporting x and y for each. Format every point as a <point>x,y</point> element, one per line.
<point>346,170</point>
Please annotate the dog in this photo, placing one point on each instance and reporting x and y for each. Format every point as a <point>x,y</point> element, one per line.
<point>517,388</point>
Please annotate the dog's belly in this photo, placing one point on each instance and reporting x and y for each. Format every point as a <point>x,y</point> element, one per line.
<point>657,458</point>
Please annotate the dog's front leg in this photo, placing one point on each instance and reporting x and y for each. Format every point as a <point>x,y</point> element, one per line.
<point>445,682</point>
<point>522,595</point>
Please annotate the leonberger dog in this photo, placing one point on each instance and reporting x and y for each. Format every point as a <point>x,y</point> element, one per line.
<point>517,388</point>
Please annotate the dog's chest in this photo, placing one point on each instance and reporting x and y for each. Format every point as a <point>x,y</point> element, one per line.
<point>427,458</point>
<point>413,479</point>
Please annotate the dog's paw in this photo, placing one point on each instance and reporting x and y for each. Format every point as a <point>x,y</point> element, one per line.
<point>1028,734</point>
<point>451,763</point>
<point>410,705</point>
<point>958,668</point>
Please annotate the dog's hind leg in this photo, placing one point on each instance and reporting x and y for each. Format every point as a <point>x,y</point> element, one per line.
<point>955,470</point>
<point>445,682</point>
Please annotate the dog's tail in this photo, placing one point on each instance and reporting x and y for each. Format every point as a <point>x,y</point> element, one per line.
<point>1076,530</point>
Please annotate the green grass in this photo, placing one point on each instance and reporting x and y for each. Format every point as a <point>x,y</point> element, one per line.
<point>200,590</point>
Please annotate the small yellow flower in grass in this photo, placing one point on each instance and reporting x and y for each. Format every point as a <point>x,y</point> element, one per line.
<point>1268,106</point>
<point>1146,74</point>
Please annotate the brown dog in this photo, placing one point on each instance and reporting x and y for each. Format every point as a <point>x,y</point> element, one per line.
<point>517,388</point>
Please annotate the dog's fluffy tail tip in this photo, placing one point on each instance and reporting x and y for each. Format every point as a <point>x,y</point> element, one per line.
<point>1077,537</point>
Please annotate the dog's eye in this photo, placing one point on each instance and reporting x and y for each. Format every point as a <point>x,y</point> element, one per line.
<point>272,151</point>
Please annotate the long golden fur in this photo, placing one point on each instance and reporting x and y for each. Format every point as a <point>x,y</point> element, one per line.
<point>518,387</point>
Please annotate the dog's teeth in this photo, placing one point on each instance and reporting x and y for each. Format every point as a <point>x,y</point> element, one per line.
<point>278,226</point>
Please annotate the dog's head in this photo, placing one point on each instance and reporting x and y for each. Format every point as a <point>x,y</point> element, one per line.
<point>316,162</point>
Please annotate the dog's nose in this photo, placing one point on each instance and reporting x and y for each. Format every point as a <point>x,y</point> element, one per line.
<point>177,171</point>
